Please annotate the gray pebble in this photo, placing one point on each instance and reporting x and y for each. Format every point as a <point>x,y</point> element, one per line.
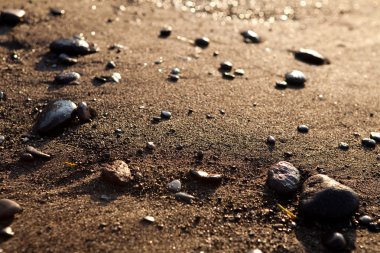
<point>206,177</point>
<point>295,77</point>
<point>110,65</point>
<point>175,186</point>
<point>283,178</point>
<point>202,42</point>
<point>67,77</point>
<point>166,114</point>
<point>365,220</point>
<point>239,72</point>
<point>369,143</point>
<point>148,219</point>
<point>175,71</point>
<point>184,197</point>
<point>271,140</point>
<point>8,208</point>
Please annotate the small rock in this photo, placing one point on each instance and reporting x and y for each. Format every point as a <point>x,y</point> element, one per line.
<point>8,208</point>
<point>2,139</point>
<point>281,85</point>
<point>271,140</point>
<point>175,186</point>
<point>173,78</point>
<point>225,66</point>
<point>6,232</point>
<point>344,146</point>
<point>37,153</point>
<point>254,251</point>
<point>296,78</point>
<point>375,136</point>
<point>335,241</point>
<point>57,12</point>
<point>323,198</point>
<point>283,178</point>
<point>28,157</point>
<point>83,112</point>
<point>228,76</point>
<point>110,65</point>
<point>148,219</point>
<point>67,77</point>
<point>310,56</point>
<point>166,32</point>
<point>369,143</point>
<point>202,42</point>
<point>303,129</point>
<point>206,177</point>
<point>115,77</point>
<point>12,17</point>
<point>150,146</point>
<point>67,60</point>
<point>251,37</point>
<point>166,114</point>
<point>156,119</point>
<point>175,71</point>
<point>73,46</point>
<point>116,172</point>
<point>365,220</point>
<point>210,116</point>
<point>3,96</point>
<point>239,72</point>
<point>184,197</point>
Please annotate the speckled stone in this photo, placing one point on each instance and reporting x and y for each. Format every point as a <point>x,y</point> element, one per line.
<point>175,186</point>
<point>283,178</point>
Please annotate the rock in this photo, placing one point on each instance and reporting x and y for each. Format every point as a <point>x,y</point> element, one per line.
<point>344,146</point>
<point>184,197</point>
<point>202,42</point>
<point>281,85</point>
<point>3,96</point>
<point>116,172</point>
<point>115,77</point>
<point>148,219</point>
<point>175,186</point>
<point>2,139</point>
<point>310,56</point>
<point>110,65</point>
<point>150,146</point>
<point>283,178</point>
<point>175,71</point>
<point>173,78</point>
<point>83,112</point>
<point>6,232</point>
<point>271,140</point>
<point>239,72</point>
<point>323,198</point>
<point>375,136</point>
<point>206,177</point>
<point>37,153</point>
<point>67,60</point>
<point>368,143</point>
<point>165,32</point>
<point>251,37</point>
<point>254,251</point>
<point>67,77</point>
<point>303,129</point>
<point>295,78</point>
<point>166,114</point>
<point>225,66</point>
<point>335,241</point>
<point>228,76</point>
<point>365,220</point>
<point>57,12</point>
<point>8,208</point>
<point>72,46</point>
<point>28,157</point>
<point>11,17</point>
<point>54,116</point>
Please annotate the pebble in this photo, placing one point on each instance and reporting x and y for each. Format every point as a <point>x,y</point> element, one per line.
<point>57,12</point>
<point>116,172</point>
<point>148,219</point>
<point>335,241</point>
<point>254,251</point>
<point>281,84</point>
<point>226,66</point>
<point>239,72</point>
<point>166,114</point>
<point>228,76</point>
<point>67,77</point>
<point>3,96</point>
<point>365,220</point>
<point>83,112</point>
<point>175,186</point>
<point>344,146</point>
<point>323,198</point>
<point>166,32</point>
<point>6,232</point>
<point>271,140</point>
<point>206,177</point>
<point>283,178</point>
<point>175,71</point>
<point>251,37</point>
<point>202,42</point>
<point>296,78</point>
<point>173,77</point>
<point>115,77</point>
<point>28,157</point>
<point>37,153</point>
<point>2,139</point>
<point>8,208</point>
<point>375,136</point>
<point>150,145</point>
<point>303,129</point>
<point>72,46</point>
<point>110,65</point>
<point>54,116</point>
<point>184,197</point>
<point>368,143</point>
<point>12,17</point>
<point>310,56</point>
<point>67,60</point>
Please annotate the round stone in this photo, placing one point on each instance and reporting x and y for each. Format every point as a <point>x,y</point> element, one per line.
<point>303,129</point>
<point>369,143</point>
<point>251,37</point>
<point>271,140</point>
<point>310,56</point>
<point>72,46</point>
<point>295,77</point>
<point>226,66</point>
<point>8,208</point>
<point>83,112</point>
<point>375,136</point>
<point>281,85</point>
<point>344,146</point>
<point>166,31</point>
<point>335,241</point>
<point>323,198</point>
<point>202,42</point>
<point>175,186</point>
<point>283,178</point>
<point>166,114</point>
<point>365,220</point>
<point>67,77</point>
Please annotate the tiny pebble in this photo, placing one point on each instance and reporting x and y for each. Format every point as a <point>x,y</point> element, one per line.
<point>150,146</point>
<point>368,143</point>
<point>281,84</point>
<point>166,114</point>
<point>110,65</point>
<point>166,32</point>
<point>202,42</point>
<point>226,66</point>
<point>271,140</point>
<point>344,146</point>
<point>228,76</point>
<point>303,129</point>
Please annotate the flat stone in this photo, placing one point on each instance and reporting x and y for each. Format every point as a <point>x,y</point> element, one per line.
<point>28,157</point>
<point>72,46</point>
<point>67,77</point>
<point>116,172</point>
<point>335,241</point>
<point>375,136</point>
<point>37,153</point>
<point>184,197</point>
<point>54,116</point>
<point>175,186</point>
<point>148,219</point>
<point>251,37</point>
<point>369,143</point>
<point>83,112</point>
<point>323,198</point>
<point>203,176</point>
<point>12,17</point>
<point>295,77</point>
<point>254,251</point>
<point>67,60</point>
<point>6,232</point>
<point>228,76</point>
<point>283,178</point>
<point>310,56</point>
<point>239,72</point>
<point>202,42</point>
<point>8,208</point>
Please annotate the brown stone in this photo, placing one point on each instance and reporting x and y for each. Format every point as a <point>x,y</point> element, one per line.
<point>116,172</point>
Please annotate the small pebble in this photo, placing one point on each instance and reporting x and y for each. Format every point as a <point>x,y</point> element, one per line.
<point>8,208</point>
<point>148,219</point>
<point>175,71</point>
<point>184,197</point>
<point>375,136</point>
<point>2,139</point>
<point>344,146</point>
<point>115,77</point>
<point>271,140</point>
<point>67,77</point>
<point>226,66</point>
<point>251,37</point>
<point>3,96</point>
<point>73,46</point>
<point>281,85</point>
<point>228,76</point>
<point>156,119</point>
<point>166,114</point>
<point>175,186</point>
<point>67,60</point>
<point>369,143</point>
<point>12,17</point>
<point>303,129</point>
<point>254,251</point>
<point>206,177</point>
<point>365,220</point>
<point>173,78</point>
<point>335,241</point>
<point>310,56</point>
<point>295,77</point>
<point>166,32</point>
<point>202,42</point>
<point>57,12</point>
<point>110,65</point>
<point>6,232</point>
<point>150,146</point>
<point>239,72</point>
<point>83,112</point>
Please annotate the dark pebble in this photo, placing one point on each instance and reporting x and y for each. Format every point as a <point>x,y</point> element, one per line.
<point>375,136</point>
<point>303,129</point>
<point>206,177</point>
<point>365,220</point>
<point>28,157</point>
<point>344,146</point>
<point>148,219</point>
<point>72,46</point>
<point>37,153</point>
<point>239,72</point>
<point>156,119</point>
<point>175,186</point>
<point>228,76</point>
<point>67,77</point>
<point>166,32</point>
<point>323,198</point>
<point>6,232</point>
<point>310,56</point>
<point>175,71</point>
<point>57,12</point>
<point>67,60</point>
<point>116,172</point>
<point>54,116</point>
<point>83,112</point>
<point>166,114</point>
<point>202,42</point>
<point>110,65</point>
<point>368,143</point>
<point>3,96</point>
<point>281,85</point>
<point>296,78</point>
<point>184,197</point>
<point>11,17</point>
<point>335,241</point>
<point>8,208</point>
<point>226,66</point>
<point>283,178</point>
<point>251,37</point>
<point>271,140</point>
<point>173,78</point>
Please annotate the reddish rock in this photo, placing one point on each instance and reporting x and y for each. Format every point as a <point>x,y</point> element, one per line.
<point>116,172</point>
